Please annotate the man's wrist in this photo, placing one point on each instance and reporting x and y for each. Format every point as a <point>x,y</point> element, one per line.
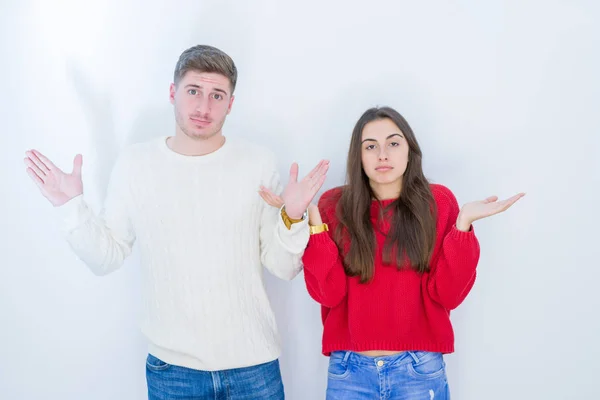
<point>294,215</point>
<point>289,221</point>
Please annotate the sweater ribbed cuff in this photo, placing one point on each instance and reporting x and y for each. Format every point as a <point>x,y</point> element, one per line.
<point>72,214</point>
<point>320,255</point>
<point>294,239</point>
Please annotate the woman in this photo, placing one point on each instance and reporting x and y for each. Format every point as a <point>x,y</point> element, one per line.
<point>389,256</point>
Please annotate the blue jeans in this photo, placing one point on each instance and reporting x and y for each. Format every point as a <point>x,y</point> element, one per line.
<point>166,382</point>
<point>417,375</point>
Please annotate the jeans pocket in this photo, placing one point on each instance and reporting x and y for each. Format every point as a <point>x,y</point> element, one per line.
<point>338,367</point>
<point>156,364</point>
<point>429,366</point>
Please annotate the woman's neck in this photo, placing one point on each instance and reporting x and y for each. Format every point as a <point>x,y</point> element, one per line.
<point>386,191</point>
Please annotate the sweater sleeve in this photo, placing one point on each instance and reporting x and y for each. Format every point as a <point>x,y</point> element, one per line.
<point>324,273</point>
<point>101,241</point>
<point>453,269</point>
<point>281,248</point>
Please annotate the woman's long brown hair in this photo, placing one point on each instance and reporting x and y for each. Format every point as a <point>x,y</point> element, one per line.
<point>412,226</point>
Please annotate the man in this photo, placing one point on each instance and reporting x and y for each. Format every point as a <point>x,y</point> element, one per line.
<point>191,201</point>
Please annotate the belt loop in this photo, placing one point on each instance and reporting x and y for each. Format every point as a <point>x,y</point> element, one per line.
<point>346,356</point>
<point>414,356</point>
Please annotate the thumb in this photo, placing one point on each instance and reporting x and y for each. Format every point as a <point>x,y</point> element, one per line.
<point>490,199</point>
<point>77,163</point>
<point>294,173</point>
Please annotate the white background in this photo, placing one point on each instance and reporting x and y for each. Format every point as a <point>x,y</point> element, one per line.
<point>503,97</point>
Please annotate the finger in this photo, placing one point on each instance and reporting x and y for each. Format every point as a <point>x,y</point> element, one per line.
<point>294,173</point>
<point>274,201</point>
<point>320,169</point>
<point>41,174</point>
<point>47,163</point>
<point>264,196</point>
<point>321,172</point>
<point>34,177</point>
<point>278,199</point>
<point>518,196</point>
<point>490,199</point>
<point>268,199</point>
<point>267,190</point>
<point>512,200</point>
<point>77,163</point>
<point>315,170</point>
<point>318,181</point>
<point>38,162</point>
<point>323,169</point>
<point>317,186</point>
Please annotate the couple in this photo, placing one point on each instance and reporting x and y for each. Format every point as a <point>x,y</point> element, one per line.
<point>387,256</point>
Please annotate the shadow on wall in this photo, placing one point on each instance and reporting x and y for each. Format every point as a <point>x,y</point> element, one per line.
<point>97,109</point>
<point>152,122</point>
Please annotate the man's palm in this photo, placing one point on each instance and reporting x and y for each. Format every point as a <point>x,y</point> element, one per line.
<point>54,184</point>
<point>297,195</point>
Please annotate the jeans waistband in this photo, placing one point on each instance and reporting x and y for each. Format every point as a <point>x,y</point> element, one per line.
<point>405,357</point>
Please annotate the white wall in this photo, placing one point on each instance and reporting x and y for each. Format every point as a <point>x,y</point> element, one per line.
<point>502,96</point>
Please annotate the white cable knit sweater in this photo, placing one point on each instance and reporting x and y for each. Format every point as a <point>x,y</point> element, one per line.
<point>203,233</point>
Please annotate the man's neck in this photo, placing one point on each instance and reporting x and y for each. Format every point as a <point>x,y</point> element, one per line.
<point>182,144</point>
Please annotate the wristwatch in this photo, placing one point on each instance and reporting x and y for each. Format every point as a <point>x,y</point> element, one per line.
<point>314,229</point>
<point>289,221</point>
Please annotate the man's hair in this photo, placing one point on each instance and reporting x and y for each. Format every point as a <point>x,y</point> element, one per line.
<point>204,58</point>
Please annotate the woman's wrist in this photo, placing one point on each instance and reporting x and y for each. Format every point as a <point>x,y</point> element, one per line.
<point>314,217</point>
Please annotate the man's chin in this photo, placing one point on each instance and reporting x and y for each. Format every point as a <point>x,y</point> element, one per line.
<point>201,134</point>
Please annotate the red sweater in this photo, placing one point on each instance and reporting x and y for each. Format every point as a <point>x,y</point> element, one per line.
<point>397,310</point>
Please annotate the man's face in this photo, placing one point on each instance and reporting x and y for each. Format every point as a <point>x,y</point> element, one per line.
<point>202,101</point>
